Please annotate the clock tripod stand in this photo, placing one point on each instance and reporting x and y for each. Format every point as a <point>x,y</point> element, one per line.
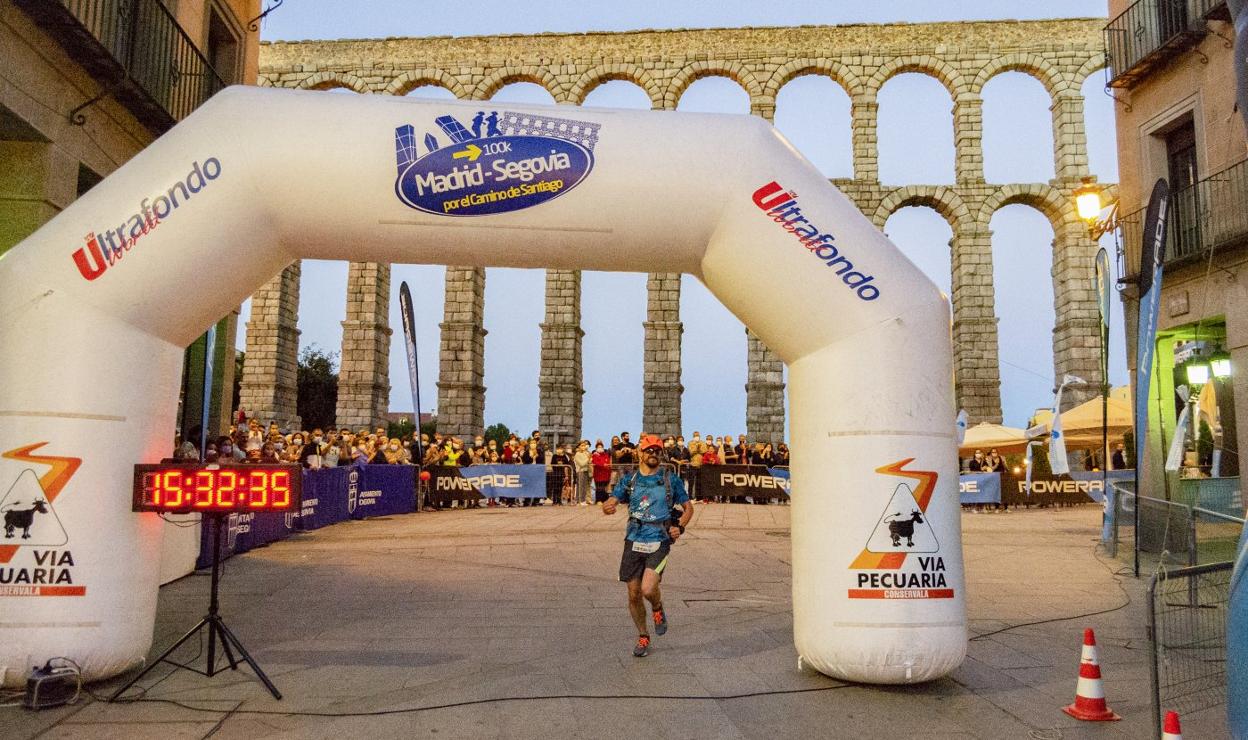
<point>217,630</point>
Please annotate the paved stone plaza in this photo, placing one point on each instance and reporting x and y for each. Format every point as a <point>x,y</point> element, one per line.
<point>472,607</point>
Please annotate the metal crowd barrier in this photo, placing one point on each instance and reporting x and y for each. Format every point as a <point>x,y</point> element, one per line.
<point>1187,616</point>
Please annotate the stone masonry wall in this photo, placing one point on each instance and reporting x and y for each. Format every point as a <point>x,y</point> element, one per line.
<point>963,56</point>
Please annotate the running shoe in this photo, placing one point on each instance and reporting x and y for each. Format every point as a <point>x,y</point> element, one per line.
<point>660,622</point>
<point>643,646</point>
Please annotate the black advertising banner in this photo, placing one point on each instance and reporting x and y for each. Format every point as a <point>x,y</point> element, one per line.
<point>413,373</point>
<point>739,481</point>
<point>1152,255</point>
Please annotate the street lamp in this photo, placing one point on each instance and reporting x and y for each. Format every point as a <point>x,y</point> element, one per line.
<point>1089,207</point>
<point>1220,364</point>
<point>1197,372</point>
<point>1088,200</point>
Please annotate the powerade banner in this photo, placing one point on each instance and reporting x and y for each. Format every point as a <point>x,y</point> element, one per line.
<point>447,483</point>
<point>1152,254</point>
<point>1075,487</point>
<point>980,488</point>
<point>499,162</point>
<point>739,481</point>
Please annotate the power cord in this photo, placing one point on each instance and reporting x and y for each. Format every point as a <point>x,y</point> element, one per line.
<point>496,700</point>
<point>1117,580</point>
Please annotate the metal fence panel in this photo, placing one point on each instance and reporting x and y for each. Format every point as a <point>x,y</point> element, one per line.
<point>1187,636</point>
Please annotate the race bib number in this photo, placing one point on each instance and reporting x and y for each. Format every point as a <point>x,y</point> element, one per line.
<point>646,547</point>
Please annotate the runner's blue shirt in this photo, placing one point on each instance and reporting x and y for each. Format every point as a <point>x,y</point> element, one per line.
<point>649,504</point>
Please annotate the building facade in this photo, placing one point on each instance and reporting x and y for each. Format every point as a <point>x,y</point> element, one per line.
<point>1061,54</point>
<point>1172,73</point>
<point>87,85</point>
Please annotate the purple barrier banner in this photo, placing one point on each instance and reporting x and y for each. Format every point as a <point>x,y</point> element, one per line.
<point>381,490</point>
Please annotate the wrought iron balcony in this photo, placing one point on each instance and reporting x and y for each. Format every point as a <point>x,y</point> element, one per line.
<point>1151,32</point>
<point>1210,215</point>
<point>137,51</point>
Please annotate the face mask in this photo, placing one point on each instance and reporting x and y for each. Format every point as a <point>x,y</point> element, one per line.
<point>394,448</point>
<point>226,449</point>
<point>316,439</point>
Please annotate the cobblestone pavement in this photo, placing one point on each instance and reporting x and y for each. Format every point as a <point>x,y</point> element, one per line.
<point>515,619</point>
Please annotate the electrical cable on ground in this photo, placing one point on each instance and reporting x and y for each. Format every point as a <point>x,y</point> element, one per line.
<point>1124,605</point>
<point>494,700</point>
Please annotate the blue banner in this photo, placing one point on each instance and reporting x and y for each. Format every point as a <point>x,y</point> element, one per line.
<point>1152,256</point>
<point>488,481</point>
<point>381,490</point>
<point>980,488</point>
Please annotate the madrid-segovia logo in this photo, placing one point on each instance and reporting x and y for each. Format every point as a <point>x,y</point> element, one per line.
<point>500,162</point>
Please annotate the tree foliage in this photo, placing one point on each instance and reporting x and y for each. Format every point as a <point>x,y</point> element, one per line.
<point>318,387</point>
<point>497,432</point>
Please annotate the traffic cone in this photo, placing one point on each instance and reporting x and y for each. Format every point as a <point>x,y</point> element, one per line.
<point>1171,730</point>
<point>1089,692</point>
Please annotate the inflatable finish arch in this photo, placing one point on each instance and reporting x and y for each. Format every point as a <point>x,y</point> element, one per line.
<point>96,306</point>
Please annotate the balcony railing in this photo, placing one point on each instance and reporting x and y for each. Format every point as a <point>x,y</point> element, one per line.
<point>1212,214</point>
<point>137,51</point>
<point>1151,32</point>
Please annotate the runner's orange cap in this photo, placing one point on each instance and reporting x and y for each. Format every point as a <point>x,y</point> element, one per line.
<point>648,441</point>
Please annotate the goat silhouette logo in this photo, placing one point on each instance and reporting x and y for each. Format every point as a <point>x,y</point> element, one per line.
<point>28,515</point>
<point>903,527</point>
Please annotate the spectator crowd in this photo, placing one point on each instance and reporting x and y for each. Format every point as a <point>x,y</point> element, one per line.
<point>578,472</point>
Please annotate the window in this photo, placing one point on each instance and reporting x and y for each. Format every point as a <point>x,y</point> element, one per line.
<point>1181,173</point>
<point>224,49</point>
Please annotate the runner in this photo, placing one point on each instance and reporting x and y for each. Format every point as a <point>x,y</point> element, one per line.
<point>650,493</point>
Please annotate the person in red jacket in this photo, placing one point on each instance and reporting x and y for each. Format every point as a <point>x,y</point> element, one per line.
<point>601,462</point>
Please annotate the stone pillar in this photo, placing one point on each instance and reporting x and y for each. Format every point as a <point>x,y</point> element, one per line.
<point>1076,335</point>
<point>977,369</point>
<point>364,370</point>
<point>1070,142</point>
<point>461,358</point>
<point>968,135</point>
<point>561,385</point>
<point>865,111</point>
<point>764,392</point>
<point>270,371</point>
<point>660,412</point>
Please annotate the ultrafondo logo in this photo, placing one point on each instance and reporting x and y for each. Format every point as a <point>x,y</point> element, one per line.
<point>105,247</point>
<point>901,559</point>
<point>781,205</point>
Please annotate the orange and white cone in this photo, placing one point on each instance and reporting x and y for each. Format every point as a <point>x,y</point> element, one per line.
<point>1090,693</point>
<point>1171,729</point>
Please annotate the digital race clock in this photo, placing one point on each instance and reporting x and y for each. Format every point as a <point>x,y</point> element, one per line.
<point>180,488</point>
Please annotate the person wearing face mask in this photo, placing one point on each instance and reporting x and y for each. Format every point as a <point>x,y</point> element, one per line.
<point>391,454</point>
<point>583,465</point>
<point>601,462</point>
<point>478,450</point>
<point>976,463</point>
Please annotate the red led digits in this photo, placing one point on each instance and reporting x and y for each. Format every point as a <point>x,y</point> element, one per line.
<point>281,489</point>
<point>258,490</point>
<point>189,487</point>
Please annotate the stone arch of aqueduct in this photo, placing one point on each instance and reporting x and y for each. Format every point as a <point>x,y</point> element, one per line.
<point>962,56</point>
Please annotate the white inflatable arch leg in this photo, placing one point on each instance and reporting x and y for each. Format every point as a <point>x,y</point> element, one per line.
<point>96,306</point>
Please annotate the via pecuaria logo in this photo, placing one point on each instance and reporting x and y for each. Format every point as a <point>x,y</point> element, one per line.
<point>501,162</point>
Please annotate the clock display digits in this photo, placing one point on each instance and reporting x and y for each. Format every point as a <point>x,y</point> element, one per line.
<point>281,489</point>
<point>258,489</point>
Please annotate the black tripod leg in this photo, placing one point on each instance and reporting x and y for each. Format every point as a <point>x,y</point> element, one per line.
<point>193,631</point>
<point>228,637</point>
<point>225,645</point>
